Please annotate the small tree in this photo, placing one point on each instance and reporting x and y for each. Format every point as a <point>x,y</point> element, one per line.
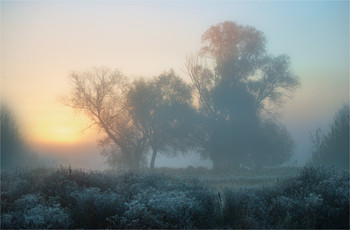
<point>333,148</point>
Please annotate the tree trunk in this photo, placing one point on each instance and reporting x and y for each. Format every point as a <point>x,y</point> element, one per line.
<point>154,155</point>
<point>138,157</point>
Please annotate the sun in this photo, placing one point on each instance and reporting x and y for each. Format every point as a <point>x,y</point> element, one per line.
<point>59,135</point>
<point>59,126</point>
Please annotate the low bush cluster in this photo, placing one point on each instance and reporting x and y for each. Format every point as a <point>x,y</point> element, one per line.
<point>317,198</point>
<point>64,198</point>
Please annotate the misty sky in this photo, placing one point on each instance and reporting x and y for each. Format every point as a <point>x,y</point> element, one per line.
<point>43,42</point>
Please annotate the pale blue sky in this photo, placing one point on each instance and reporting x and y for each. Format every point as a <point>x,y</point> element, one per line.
<point>42,42</point>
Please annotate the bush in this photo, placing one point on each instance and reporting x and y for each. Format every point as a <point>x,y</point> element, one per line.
<point>158,201</point>
<point>31,211</point>
<point>90,207</point>
<point>63,198</point>
<point>317,198</point>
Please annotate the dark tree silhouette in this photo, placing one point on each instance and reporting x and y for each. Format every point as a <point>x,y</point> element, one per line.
<point>13,149</point>
<point>333,148</point>
<point>238,86</point>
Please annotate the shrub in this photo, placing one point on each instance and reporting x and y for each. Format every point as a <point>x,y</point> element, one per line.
<point>317,198</point>
<point>31,211</point>
<point>158,201</point>
<point>90,207</point>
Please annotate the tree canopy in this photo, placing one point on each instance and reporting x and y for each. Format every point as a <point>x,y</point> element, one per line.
<point>100,94</point>
<point>225,113</point>
<point>162,105</point>
<point>238,84</point>
<point>137,116</point>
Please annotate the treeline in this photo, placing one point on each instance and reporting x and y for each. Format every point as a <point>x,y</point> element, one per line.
<point>226,113</point>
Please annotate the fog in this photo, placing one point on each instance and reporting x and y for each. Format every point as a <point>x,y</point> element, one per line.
<point>185,115</point>
<point>145,40</point>
<point>228,114</point>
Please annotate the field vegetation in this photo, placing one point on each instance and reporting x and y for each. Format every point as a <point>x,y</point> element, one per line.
<point>315,197</point>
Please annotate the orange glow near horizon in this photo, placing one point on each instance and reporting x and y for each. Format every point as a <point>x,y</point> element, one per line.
<point>55,125</point>
<point>47,147</point>
<point>62,139</point>
<point>57,135</point>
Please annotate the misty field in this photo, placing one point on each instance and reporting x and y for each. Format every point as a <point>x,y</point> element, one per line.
<point>311,197</point>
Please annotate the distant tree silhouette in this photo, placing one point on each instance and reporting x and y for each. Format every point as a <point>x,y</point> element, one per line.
<point>238,87</point>
<point>162,105</point>
<point>13,148</point>
<point>333,147</point>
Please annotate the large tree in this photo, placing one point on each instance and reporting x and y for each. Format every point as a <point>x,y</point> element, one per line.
<point>100,94</point>
<point>238,83</point>
<point>162,106</point>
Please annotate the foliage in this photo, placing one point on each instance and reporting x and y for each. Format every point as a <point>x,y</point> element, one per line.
<point>134,116</point>
<point>238,84</point>
<point>65,198</point>
<point>273,145</point>
<point>162,106</point>
<point>237,87</point>
<point>31,211</point>
<point>333,148</point>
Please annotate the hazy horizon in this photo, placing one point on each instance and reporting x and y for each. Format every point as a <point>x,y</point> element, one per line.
<point>43,42</point>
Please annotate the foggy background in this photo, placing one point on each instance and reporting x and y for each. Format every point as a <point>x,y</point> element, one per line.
<point>43,42</point>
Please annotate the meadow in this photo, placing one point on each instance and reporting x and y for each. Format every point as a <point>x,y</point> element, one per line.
<point>62,198</point>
